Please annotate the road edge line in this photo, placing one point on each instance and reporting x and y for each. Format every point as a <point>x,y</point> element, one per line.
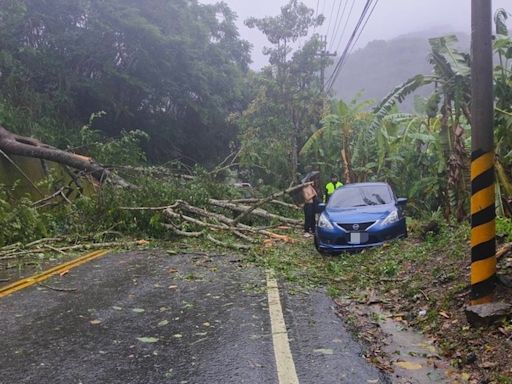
<point>286,371</point>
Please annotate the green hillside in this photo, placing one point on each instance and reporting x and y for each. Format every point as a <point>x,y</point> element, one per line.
<point>381,65</point>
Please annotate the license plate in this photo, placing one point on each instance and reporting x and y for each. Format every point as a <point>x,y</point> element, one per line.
<point>358,237</point>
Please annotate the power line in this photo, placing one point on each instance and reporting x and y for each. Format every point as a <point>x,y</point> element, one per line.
<point>364,26</point>
<point>350,43</point>
<point>337,28</point>
<point>345,26</point>
<point>330,18</point>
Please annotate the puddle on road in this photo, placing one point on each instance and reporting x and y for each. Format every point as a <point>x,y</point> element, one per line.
<point>414,358</point>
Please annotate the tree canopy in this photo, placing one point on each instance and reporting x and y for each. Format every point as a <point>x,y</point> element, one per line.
<point>172,69</point>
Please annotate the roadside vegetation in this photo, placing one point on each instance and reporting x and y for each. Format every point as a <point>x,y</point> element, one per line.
<point>420,282</point>
<point>159,145</point>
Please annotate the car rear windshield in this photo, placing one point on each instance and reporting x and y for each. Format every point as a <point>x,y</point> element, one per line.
<point>360,196</point>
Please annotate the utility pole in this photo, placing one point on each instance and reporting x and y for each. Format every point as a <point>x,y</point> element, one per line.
<point>323,55</point>
<point>483,211</point>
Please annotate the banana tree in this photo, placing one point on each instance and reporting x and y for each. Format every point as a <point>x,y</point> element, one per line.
<point>450,100</point>
<point>332,144</point>
<point>503,116</point>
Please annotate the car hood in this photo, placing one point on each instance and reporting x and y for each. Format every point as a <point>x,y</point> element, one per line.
<point>359,214</point>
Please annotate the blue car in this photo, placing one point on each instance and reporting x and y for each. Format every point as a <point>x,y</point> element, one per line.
<point>359,216</point>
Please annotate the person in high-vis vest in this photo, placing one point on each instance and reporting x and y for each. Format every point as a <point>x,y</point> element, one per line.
<point>331,186</point>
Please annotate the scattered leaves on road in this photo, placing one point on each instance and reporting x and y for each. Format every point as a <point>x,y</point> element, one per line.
<point>148,339</point>
<point>324,351</point>
<point>408,365</point>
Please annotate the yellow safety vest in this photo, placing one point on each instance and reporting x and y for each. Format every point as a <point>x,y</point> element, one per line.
<point>330,188</point>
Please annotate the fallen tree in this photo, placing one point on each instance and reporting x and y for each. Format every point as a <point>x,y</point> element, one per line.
<point>13,144</point>
<point>185,219</point>
<point>257,211</point>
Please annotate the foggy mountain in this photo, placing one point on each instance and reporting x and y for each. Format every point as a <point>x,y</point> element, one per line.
<point>381,65</point>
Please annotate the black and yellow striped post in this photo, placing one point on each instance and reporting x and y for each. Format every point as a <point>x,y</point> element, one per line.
<point>483,227</point>
<point>483,212</point>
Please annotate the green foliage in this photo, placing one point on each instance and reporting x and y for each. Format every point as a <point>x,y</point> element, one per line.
<point>102,212</point>
<point>344,127</point>
<point>504,228</point>
<point>287,99</point>
<point>397,95</point>
<point>503,116</point>
<point>172,70</point>
<point>19,220</point>
<point>125,150</point>
<point>436,144</point>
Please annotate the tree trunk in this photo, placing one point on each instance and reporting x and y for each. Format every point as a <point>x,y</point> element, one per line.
<point>346,160</point>
<point>294,158</point>
<point>17,145</point>
<point>444,140</point>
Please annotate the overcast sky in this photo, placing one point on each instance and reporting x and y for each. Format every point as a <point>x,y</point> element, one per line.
<point>391,18</point>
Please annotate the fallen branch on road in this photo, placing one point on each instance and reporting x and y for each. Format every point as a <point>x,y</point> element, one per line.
<point>227,245</point>
<point>16,253</point>
<point>181,217</point>
<point>273,196</point>
<point>257,212</point>
<point>254,200</point>
<point>57,289</point>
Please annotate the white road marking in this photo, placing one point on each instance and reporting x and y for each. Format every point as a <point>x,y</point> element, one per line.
<point>286,372</point>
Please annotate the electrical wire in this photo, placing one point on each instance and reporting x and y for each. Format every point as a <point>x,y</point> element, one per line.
<point>350,43</point>
<point>337,28</point>
<point>364,26</point>
<point>345,26</point>
<point>330,18</point>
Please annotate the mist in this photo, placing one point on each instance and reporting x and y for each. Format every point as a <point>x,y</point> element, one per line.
<point>390,19</point>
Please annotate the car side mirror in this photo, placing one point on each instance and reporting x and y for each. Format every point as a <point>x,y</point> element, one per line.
<point>401,201</point>
<point>320,208</point>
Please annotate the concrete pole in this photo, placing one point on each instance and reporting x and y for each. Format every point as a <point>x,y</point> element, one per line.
<point>483,212</point>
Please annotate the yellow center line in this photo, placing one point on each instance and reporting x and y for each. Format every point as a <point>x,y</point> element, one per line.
<point>28,281</point>
<point>286,372</point>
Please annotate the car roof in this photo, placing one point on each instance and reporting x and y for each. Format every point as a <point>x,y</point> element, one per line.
<point>368,184</point>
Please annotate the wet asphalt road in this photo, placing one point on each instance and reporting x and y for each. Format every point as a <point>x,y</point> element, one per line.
<point>147,317</point>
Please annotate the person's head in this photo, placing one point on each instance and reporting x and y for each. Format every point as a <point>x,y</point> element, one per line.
<point>334,178</point>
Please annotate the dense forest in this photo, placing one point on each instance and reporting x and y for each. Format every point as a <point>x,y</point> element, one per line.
<point>164,83</point>
<point>167,74</point>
